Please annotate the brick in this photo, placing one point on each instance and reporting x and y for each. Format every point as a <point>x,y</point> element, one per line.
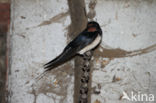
<point>4,17</point>
<point>4,24</point>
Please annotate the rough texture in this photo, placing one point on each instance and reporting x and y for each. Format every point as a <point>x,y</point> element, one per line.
<point>38,34</point>
<point>2,66</point>
<point>125,62</point>
<point>78,23</point>
<point>85,78</point>
<point>4,24</point>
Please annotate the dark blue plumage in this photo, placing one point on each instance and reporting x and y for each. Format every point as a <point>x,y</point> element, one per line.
<point>82,42</point>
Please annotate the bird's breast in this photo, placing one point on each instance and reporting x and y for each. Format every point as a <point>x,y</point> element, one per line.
<point>91,45</point>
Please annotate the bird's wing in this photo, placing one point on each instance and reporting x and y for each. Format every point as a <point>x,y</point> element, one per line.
<point>63,57</point>
<point>82,40</point>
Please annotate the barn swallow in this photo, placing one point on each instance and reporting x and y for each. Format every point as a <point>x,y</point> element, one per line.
<point>87,40</point>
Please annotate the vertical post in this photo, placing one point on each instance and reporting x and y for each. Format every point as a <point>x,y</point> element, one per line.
<point>85,78</point>
<point>78,23</point>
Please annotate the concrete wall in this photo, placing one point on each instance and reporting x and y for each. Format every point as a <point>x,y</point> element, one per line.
<point>128,25</point>
<point>38,34</point>
<point>125,62</point>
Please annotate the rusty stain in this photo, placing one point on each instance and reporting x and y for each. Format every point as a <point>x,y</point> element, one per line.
<point>97,101</point>
<point>97,60</point>
<point>119,53</point>
<point>105,62</point>
<point>115,79</point>
<point>56,18</point>
<point>120,98</point>
<point>55,82</point>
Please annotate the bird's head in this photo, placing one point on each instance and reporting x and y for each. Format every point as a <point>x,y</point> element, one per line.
<point>93,26</point>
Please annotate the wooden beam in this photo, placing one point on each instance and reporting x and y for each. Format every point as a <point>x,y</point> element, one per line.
<point>78,23</point>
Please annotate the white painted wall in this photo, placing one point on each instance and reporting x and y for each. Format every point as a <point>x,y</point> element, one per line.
<point>129,25</point>
<point>32,46</point>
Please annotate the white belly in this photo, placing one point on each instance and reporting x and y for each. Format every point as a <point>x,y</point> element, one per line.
<point>91,46</point>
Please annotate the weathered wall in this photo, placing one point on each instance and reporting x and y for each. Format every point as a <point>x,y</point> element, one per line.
<point>129,63</point>
<point>124,62</point>
<point>38,34</point>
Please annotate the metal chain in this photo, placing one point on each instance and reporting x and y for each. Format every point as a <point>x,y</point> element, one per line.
<point>85,78</point>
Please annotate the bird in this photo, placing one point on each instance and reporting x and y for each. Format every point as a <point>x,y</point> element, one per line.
<point>87,40</point>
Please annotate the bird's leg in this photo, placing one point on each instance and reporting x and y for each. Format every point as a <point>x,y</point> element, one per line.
<point>85,78</point>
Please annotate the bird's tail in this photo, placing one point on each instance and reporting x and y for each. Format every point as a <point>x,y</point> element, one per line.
<point>63,57</point>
